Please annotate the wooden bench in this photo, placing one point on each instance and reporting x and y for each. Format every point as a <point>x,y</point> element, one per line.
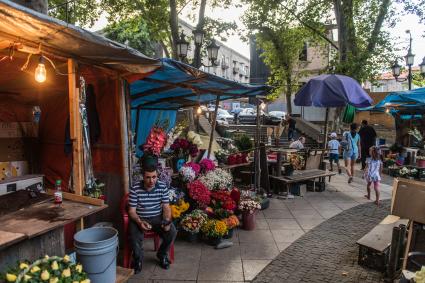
<point>300,176</point>
<point>374,247</point>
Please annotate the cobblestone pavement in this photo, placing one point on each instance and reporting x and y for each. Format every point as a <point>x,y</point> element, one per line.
<point>328,252</point>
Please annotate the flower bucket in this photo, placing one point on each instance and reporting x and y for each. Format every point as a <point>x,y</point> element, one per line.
<point>420,163</point>
<point>229,234</point>
<point>212,241</point>
<point>191,237</point>
<point>248,220</point>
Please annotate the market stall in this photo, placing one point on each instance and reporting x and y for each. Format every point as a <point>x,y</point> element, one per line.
<point>205,201</point>
<point>405,158</point>
<point>63,124</point>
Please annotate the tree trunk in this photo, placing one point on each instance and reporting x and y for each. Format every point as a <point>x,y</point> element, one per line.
<point>174,28</point>
<point>288,93</point>
<point>197,62</point>
<point>37,5</point>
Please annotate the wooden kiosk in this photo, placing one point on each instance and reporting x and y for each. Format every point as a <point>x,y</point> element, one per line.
<point>41,129</point>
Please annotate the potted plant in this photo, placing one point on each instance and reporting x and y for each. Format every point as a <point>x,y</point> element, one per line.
<point>47,269</point>
<point>191,223</point>
<point>248,207</point>
<point>232,222</point>
<point>214,230</point>
<point>244,143</point>
<point>413,174</point>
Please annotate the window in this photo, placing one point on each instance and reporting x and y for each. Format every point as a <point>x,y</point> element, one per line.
<point>303,54</point>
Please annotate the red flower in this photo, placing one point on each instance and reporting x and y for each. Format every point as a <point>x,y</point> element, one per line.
<point>235,194</point>
<point>199,193</point>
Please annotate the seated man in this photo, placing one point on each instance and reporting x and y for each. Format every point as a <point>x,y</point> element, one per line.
<point>149,209</point>
<point>298,144</point>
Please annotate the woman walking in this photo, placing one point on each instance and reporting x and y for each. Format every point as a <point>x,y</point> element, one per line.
<point>373,172</point>
<point>352,149</point>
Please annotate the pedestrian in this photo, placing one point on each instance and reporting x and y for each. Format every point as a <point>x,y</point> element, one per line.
<point>298,144</point>
<point>351,150</point>
<point>291,127</point>
<point>367,139</point>
<point>333,147</point>
<point>373,172</point>
<point>149,210</point>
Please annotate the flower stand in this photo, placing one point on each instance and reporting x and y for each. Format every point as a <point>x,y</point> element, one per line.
<point>248,220</point>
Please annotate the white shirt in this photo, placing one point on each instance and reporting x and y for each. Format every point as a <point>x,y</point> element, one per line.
<point>333,146</point>
<point>296,145</point>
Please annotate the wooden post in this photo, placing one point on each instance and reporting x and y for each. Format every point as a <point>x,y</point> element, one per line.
<point>257,149</point>
<point>75,132</point>
<point>326,126</point>
<point>122,96</point>
<point>213,127</point>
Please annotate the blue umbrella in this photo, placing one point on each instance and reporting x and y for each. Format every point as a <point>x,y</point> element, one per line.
<point>332,91</point>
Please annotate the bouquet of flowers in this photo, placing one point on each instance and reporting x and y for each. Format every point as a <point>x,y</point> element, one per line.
<point>164,175</point>
<point>193,221</point>
<point>221,155</point>
<point>187,174</point>
<point>231,222</point>
<point>222,199</point>
<point>179,208</point>
<point>195,167</point>
<point>296,161</point>
<point>48,269</point>
<point>155,141</point>
<point>194,138</point>
<point>199,193</point>
<point>214,228</point>
<point>249,206</point>
<point>218,179</point>
<point>237,158</point>
<point>175,194</point>
<point>182,147</point>
<point>207,165</point>
<point>404,171</point>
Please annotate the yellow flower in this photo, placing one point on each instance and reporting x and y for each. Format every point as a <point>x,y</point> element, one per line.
<point>27,277</point>
<point>23,265</point>
<point>55,265</point>
<point>85,281</point>
<point>10,277</point>
<point>46,256</point>
<point>45,275</point>
<point>79,268</point>
<point>35,269</point>
<point>66,272</point>
<point>54,280</point>
<point>66,258</point>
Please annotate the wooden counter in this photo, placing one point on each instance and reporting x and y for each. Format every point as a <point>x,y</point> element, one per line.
<point>38,229</point>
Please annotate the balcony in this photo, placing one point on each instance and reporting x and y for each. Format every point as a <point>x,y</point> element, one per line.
<point>235,70</point>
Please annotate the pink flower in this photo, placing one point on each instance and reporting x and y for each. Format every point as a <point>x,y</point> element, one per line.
<point>207,165</point>
<point>195,167</point>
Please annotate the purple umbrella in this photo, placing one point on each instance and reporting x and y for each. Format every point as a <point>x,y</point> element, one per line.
<point>332,91</point>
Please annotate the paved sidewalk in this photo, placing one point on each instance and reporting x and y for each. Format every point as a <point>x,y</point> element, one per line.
<point>277,228</point>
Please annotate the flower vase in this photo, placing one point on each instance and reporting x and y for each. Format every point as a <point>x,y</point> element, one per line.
<point>191,237</point>
<point>229,234</point>
<point>248,220</point>
<point>420,163</point>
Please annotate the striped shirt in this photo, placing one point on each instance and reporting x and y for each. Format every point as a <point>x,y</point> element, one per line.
<point>148,203</point>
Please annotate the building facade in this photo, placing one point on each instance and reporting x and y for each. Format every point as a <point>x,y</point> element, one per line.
<point>387,83</point>
<point>230,64</point>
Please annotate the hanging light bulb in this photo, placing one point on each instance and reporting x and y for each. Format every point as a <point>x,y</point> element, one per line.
<point>40,71</point>
<point>199,110</point>
<point>387,110</point>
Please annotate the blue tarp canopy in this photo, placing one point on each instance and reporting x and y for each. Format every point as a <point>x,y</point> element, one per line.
<point>401,101</point>
<point>176,85</point>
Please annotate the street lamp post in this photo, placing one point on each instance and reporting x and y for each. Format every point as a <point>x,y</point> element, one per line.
<point>410,59</point>
<point>212,49</point>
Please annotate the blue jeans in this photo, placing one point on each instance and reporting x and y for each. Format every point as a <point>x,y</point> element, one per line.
<point>291,134</point>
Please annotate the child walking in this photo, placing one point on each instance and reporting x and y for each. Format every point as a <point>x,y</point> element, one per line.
<point>373,172</point>
<point>333,146</point>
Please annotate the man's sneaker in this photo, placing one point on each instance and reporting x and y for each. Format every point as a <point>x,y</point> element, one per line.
<point>339,171</point>
<point>164,262</point>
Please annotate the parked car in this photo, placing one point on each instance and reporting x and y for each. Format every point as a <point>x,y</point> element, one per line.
<point>221,121</point>
<point>249,116</point>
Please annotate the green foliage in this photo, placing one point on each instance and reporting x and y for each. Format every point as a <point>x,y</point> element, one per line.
<point>133,32</point>
<point>418,79</point>
<point>244,143</point>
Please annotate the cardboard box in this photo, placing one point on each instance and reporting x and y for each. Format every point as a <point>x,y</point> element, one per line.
<point>18,129</point>
<point>409,199</point>
<point>12,169</point>
<point>12,149</point>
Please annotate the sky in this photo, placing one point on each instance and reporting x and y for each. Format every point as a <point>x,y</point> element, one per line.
<point>408,22</point>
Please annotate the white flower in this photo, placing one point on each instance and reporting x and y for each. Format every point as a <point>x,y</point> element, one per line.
<point>218,179</point>
<point>187,173</point>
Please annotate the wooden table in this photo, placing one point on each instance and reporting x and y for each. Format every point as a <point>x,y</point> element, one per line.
<point>36,230</point>
<point>301,176</point>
